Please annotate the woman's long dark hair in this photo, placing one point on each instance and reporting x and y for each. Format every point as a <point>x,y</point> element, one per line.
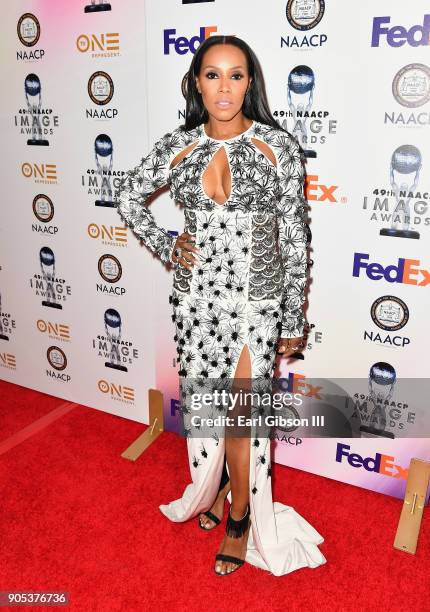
<point>255,105</point>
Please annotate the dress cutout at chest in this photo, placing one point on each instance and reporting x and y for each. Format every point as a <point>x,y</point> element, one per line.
<point>216,179</point>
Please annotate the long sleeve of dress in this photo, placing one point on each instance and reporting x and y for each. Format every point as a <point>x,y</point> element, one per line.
<point>151,173</point>
<point>293,233</point>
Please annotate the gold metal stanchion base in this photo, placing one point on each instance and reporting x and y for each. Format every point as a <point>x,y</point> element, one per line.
<point>156,426</point>
<point>409,525</point>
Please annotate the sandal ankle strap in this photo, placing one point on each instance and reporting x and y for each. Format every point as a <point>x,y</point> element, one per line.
<point>236,529</point>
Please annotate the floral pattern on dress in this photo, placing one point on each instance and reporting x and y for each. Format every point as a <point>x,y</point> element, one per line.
<point>260,192</point>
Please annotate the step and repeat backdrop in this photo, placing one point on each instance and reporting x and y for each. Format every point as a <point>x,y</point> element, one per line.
<point>89,86</point>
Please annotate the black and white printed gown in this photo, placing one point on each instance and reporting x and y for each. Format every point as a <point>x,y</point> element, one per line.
<point>248,289</point>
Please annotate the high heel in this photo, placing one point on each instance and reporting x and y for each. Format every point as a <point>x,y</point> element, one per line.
<point>210,515</point>
<point>234,529</point>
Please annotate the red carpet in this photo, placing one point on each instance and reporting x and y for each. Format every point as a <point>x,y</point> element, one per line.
<point>77,517</point>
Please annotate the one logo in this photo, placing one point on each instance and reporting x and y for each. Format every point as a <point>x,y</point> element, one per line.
<point>305,14</point>
<point>406,271</point>
<point>41,173</point>
<point>411,85</point>
<point>8,361</point>
<point>108,235</point>
<point>102,45</point>
<point>397,35</point>
<point>117,392</point>
<point>59,331</point>
<point>380,464</point>
<point>389,313</point>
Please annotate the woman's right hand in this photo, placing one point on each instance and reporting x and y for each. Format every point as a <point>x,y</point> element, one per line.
<point>184,245</point>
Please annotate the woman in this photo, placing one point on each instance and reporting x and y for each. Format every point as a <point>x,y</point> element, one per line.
<point>238,291</point>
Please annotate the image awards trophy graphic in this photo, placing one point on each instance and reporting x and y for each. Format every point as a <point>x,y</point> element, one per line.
<point>47,265</point>
<point>33,90</point>
<point>382,378</point>
<point>113,333</point>
<point>2,335</point>
<point>301,84</point>
<point>103,150</point>
<point>405,160</point>
<point>95,7</point>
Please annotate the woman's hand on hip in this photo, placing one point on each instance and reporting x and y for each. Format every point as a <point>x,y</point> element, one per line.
<point>289,346</point>
<point>184,249</point>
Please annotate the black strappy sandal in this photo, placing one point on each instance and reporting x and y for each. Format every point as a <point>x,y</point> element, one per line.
<point>224,480</point>
<point>234,529</point>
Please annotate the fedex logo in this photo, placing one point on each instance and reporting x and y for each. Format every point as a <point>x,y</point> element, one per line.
<point>318,192</point>
<point>406,271</point>
<point>381,464</point>
<point>296,384</point>
<point>397,36</point>
<point>182,44</point>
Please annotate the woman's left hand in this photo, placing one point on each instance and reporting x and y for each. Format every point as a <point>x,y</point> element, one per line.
<point>289,346</point>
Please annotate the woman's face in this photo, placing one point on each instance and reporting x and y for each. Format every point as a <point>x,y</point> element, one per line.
<point>223,81</point>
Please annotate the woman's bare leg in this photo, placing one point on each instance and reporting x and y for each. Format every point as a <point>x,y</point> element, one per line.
<point>217,508</point>
<point>237,452</point>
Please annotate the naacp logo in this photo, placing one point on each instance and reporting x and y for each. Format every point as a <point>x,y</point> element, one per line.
<point>389,313</point>
<point>288,412</point>
<point>100,88</point>
<point>305,14</point>
<point>110,268</point>
<point>411,85</point>
<point>28,29</point>
<point>43,208</point>
<point>57,358</point>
